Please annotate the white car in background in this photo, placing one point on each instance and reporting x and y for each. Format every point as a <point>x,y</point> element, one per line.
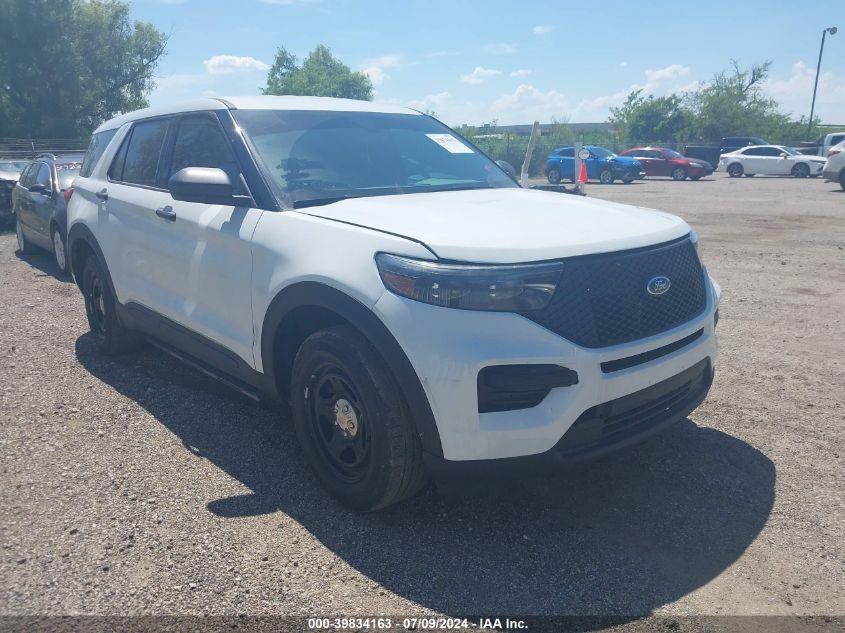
<point>771,160</point>
<point>834,170</point>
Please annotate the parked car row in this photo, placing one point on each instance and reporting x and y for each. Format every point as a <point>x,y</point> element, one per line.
<point>637,162</point>
<point>640,162</point>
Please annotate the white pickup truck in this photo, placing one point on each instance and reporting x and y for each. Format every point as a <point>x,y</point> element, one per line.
<point>821,146</point>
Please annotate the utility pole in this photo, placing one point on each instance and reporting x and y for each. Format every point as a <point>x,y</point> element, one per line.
<point>832,31</point>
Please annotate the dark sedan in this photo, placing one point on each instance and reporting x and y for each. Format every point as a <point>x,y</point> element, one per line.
<point>667,163</point>
<point>39,203</point>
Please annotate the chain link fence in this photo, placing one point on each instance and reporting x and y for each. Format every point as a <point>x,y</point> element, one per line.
<point>25,148</point>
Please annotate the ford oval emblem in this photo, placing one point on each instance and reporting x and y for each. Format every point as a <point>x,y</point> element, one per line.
<point>658,285</point>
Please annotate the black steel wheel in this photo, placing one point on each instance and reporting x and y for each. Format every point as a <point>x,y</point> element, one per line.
<point>606,177</point>
<point>352,421</point>
<point>110,335</point>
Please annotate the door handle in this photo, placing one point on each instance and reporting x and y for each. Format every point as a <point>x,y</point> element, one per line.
<point>102,194</point>
<point>167,213</point>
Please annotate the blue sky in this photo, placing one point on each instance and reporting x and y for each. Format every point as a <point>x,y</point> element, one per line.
<point>472,62</point>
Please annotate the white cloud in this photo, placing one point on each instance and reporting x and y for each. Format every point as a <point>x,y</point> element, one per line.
<point>431,103</point>
<point>376,75</point>
<point>502,48</point>
<point>795,92</point>
<point>673,72</point>
<point>478,75</point>
<point>374,67</point>
<point>385,61</point>
<point>543,29</point>
<point>623,64</point>
<point>522,72</point>
<point>527,104</point>
<point>228,64</point>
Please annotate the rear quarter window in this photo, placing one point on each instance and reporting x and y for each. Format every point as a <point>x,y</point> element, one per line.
<point>139,156</point>
<point>98,145</point>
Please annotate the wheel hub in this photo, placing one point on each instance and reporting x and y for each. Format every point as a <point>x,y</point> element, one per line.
<point>345,418</point>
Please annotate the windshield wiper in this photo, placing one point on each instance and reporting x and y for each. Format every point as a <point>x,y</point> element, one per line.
<point>319,202</point>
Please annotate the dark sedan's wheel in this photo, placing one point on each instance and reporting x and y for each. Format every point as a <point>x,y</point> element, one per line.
<point>110,336</point>
<point>24,246</point>
<point>59,251</point>
<point>352,421</point>
<point>735,170</point>
<point>801,170</point>
<point>679,173</point>
<point>553,175</point>
<point>606,177</point>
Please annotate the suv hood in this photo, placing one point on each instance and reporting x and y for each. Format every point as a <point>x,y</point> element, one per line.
<point>507,225</point>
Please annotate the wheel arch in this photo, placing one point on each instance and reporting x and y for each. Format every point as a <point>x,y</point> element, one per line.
<point>79,245</point>
<point>303,308</point>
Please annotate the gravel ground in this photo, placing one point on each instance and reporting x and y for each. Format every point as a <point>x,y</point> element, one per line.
<point>137,486</point>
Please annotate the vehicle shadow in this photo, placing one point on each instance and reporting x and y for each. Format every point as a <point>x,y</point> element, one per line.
<point>44,261</point>
<point>622,536</point>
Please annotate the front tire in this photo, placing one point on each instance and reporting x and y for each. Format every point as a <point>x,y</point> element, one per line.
<point>109,335</point>
<point>60,251</point>
<point>606,177</point>
<point>735,170</point>
<point>679,173</point>
<point>352,421</point>
<point>801,170</point>
<point>554,176</point>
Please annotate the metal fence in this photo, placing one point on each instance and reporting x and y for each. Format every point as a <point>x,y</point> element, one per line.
<point>25,148</point>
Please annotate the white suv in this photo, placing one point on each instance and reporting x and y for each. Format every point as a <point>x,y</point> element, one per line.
<point>423,314</point>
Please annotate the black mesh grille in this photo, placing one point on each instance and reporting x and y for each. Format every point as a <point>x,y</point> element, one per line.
<point>602,299</point>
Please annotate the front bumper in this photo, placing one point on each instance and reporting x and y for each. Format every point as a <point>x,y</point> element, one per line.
<point>600,430</point>
<point>448,348</point>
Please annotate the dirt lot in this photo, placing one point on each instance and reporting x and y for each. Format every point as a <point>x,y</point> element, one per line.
<point>135,485</point>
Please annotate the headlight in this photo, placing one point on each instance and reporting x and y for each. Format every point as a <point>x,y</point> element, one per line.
<point>471,286</point>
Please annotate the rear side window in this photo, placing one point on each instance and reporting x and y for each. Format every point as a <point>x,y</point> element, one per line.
<point>98,145</point>
<point>43,177</point>
<point>138,158</point>
<point>200,143</point>
<point>567,153</point>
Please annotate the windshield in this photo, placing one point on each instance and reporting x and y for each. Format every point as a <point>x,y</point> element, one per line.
<point>12,165</point>
<point>601,152</point>
<point>317,157</point>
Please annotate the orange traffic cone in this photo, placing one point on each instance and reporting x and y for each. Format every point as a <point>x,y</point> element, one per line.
<point>582,177</point>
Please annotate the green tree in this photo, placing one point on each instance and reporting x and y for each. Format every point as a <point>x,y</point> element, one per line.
<point>320,75</point>
<point>733,103</point>
<point>653,119</point>
<point>88,62</point>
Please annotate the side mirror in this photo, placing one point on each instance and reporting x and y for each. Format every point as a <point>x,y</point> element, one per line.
<point>39,188</point>
<point>507,168</point>
<point>784,155</point>
<point>209,185</point>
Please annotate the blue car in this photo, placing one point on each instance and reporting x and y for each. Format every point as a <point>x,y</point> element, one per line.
<point>602,165</point>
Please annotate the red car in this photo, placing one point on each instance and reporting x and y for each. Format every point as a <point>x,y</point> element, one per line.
<point>660,161</point>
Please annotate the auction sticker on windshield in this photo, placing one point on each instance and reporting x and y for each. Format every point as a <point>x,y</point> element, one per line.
<point>450,143</point>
